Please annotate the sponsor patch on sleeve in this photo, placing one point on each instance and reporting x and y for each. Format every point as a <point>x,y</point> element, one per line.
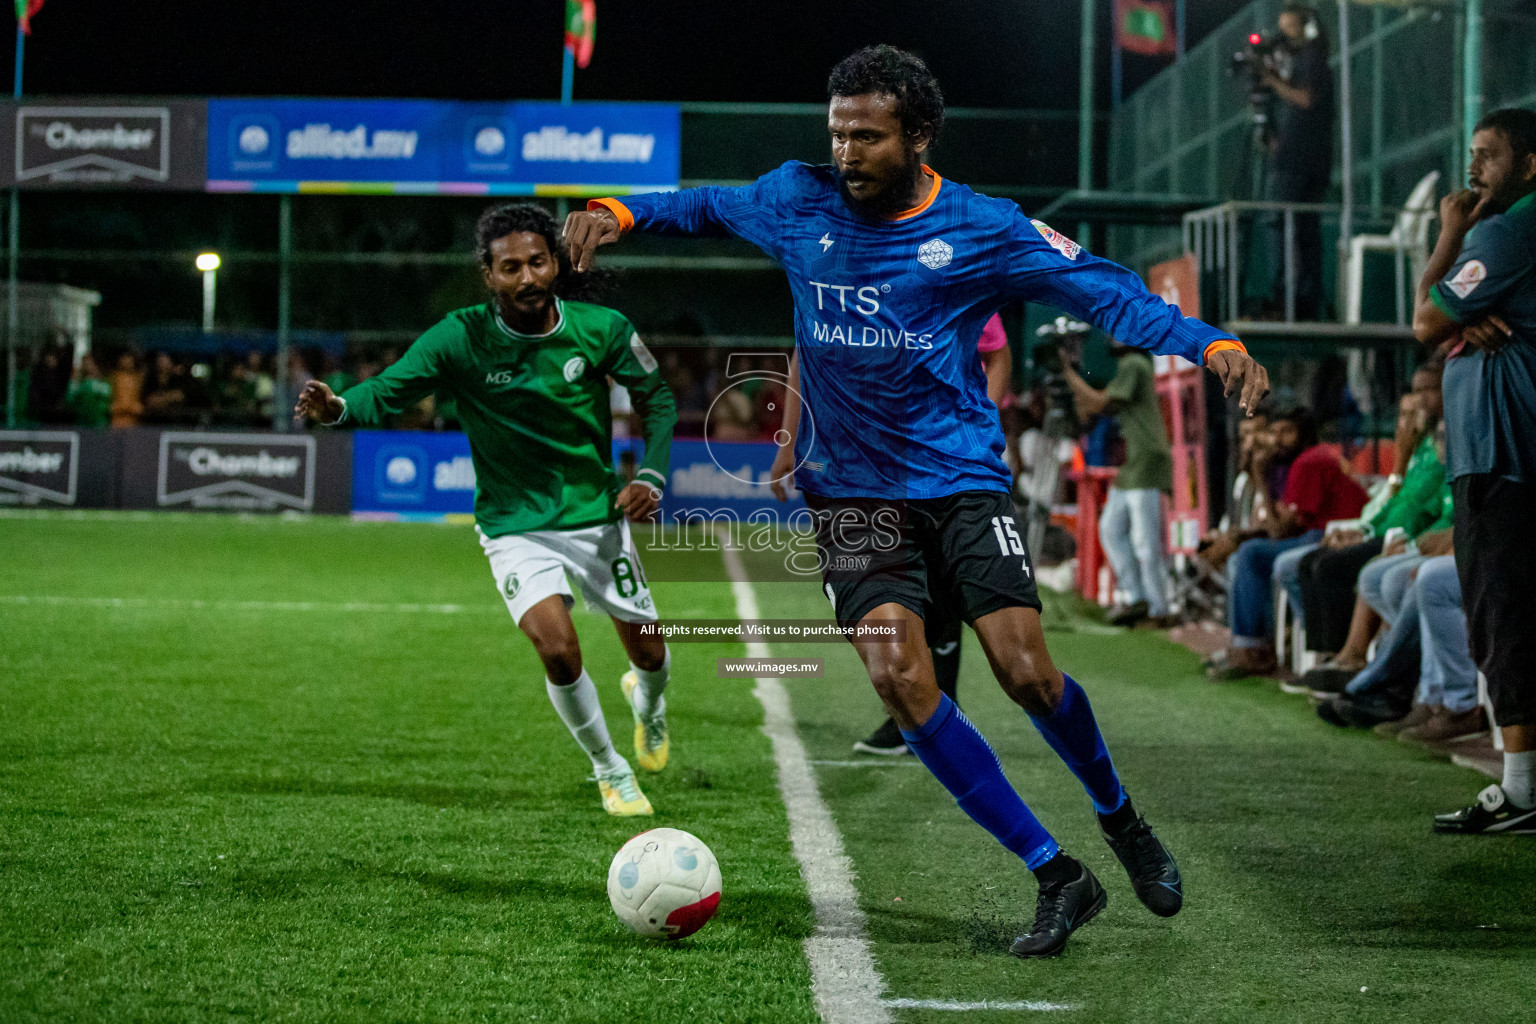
<point>642,354</point>
<point>1058,241</point>
<point>1472,274</point>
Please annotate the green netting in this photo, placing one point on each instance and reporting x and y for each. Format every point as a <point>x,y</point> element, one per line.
<point>1188,130</point>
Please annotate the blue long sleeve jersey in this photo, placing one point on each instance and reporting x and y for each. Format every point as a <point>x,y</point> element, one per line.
<point>888,313</point>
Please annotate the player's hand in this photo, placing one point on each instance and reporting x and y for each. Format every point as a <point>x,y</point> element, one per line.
<point>318,402</point>
<point>1241,372</point>
<point>639,502</point>
<point>781,475</point>
<point>585,230</point>
<point>1488,335</point>
<point>1460,210</point>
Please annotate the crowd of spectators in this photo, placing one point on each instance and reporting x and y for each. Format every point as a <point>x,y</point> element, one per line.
<point>238,389</point>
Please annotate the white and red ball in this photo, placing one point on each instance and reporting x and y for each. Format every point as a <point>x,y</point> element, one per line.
<point>665,883</point>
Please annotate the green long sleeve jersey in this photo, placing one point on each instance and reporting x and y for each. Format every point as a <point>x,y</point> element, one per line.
<point>536,410</point>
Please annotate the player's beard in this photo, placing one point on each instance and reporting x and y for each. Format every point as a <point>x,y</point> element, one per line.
<point>1506,194</point>
<point>530,312</point>
<point>891,200</point>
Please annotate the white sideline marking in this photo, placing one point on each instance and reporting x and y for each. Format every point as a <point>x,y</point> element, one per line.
<point>950,1004</point>
<point>844,980</point>
<point>252,606</point>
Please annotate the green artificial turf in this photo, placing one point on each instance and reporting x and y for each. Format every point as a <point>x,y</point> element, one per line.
<point>1315,890</point>
<point>213,812</point>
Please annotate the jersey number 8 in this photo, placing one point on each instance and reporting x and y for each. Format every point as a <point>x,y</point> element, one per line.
<point>625,578</point>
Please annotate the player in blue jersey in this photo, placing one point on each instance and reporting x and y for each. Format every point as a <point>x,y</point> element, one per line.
<point>894,271</point>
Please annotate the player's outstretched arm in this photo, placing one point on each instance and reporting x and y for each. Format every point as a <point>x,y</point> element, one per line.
<point>319,403</point>
<point>1242,373</point>
<point>1044,266</point>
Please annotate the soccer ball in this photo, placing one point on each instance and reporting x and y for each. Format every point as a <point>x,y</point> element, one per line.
<point>664,883</point>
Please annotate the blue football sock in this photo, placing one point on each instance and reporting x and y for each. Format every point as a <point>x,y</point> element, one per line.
<point>1074,734</point>
<point>957,755</point>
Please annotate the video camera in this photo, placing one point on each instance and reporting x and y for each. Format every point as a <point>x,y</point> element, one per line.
<point>1250,63</point>
<point>1061,345</point>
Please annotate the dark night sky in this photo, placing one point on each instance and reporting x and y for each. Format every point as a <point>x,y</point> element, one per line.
<point>986,53</point>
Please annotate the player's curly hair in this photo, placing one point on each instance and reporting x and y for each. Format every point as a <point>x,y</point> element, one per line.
<point>514,218</point>
<point>893,72</point>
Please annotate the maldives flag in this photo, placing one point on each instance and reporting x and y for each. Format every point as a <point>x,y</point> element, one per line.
<point>24,11</point>
<point>580,28</point>
<point>1144,26</point>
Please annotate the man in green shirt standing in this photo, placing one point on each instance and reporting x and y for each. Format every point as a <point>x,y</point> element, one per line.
<point>529,372</point>
<point>1131,526</point>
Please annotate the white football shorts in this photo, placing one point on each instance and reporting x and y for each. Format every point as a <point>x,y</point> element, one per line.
<point>532,566</point>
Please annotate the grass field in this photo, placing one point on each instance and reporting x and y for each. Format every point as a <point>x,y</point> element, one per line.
<point>240,779</point>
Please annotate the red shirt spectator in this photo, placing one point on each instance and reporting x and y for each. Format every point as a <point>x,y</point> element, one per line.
<point>1320,490</point>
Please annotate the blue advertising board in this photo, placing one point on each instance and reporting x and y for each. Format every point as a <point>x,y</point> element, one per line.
<point>723,477</point>
<point>406,474</point>
<point>433,147</point>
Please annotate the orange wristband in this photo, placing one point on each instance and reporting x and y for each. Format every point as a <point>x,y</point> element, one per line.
<point>618,209</point>
<point>1222,345</point>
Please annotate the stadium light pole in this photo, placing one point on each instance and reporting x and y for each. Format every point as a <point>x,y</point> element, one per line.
<point>208,263</point>
<point>281,420</point>
<point>1085,114</point>
<point>1347,137</point>
<point>12,287</point>
<point>1472,79</point>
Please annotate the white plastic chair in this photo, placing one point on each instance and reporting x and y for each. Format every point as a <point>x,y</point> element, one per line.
<point>1408,241</point>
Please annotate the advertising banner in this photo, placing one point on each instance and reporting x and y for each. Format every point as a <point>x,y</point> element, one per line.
<point>432,147</point>
<point>409,474</point>
<point>258,472</point>
<point>107,143</point>
<point>39,467</point>
<point>405,474</point>
<point>718,478</point>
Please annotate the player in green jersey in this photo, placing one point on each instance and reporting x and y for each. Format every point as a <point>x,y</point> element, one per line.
<point>529,374</point>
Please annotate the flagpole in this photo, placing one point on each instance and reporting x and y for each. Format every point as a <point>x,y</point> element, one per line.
<point>12,318</point>
<point>567,76</point>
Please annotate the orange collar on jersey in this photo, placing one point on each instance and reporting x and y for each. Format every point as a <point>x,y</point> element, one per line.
<point>933,194</point>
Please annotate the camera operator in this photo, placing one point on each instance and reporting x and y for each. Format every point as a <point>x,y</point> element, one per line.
<point>1300,153</point>
<point>1131,528</point>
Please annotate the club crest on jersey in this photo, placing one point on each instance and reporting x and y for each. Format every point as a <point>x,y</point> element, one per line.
<point>574,368</point>
<point>1472,275</point>
<point>511,586</point>
<point>935,253</point>
<point>1056,240</point>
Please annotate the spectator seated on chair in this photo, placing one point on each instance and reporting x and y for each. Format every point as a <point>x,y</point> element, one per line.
<point>1323,588</point>
<point>1245,510</point>
<point>1416,525</point>
<point>1305,486</point>
<point>1422,684</point>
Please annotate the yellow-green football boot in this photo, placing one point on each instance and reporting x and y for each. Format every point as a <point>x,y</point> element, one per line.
<point>652,741</point>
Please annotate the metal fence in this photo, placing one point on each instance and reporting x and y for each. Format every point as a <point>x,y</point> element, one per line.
<point>1189,130</point>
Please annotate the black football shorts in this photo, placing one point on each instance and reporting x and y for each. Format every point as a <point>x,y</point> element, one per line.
<point>948,559</point>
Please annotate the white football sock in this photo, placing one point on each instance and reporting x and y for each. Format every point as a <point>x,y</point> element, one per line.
<point>1519,783</point>
<point>653,684</point>
<point>579,709</point>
